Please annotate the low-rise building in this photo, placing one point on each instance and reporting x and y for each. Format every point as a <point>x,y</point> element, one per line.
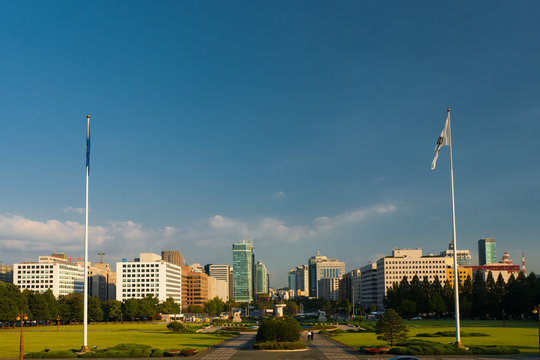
<point>148,275</point>
<point>50,272</point>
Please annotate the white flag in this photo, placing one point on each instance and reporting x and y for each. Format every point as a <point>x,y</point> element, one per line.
<point>443,140</point>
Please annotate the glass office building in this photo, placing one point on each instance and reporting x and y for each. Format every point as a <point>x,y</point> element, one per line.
<point>487,251</point>
<point>243,256</point>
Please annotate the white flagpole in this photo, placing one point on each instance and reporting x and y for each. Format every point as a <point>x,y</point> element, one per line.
<point>85,323</point>
<point>456,274</point>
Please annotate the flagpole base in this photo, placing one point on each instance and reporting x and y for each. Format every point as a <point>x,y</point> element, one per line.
<point>459,345</point>
<point>84,350</point>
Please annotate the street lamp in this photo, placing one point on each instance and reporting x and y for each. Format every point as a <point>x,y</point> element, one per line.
<point>536,310</point>
<point>22,317</point>
<point>58,324</point>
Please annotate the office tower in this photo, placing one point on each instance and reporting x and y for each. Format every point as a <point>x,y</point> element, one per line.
<point>195,288</point>
<point>243,271</point>
<point>463,256</point>
<point>368,284</point>
<point>220,273</point>
<point>329,289</point>
<point>320,267</point>
<point>487,251</point>
<point>292,280</point>
<point>148,275</point>
<point>6,273</point>
<point>50,272</point>
<point>101,281</point>
<point>261,286</point>
<point>173,257</point>
<point>302,280</point>
<point>350,287</point>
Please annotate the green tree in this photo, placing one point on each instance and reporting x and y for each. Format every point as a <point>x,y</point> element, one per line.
<point>12,301</point>
<point>407,308</point>
<point>111,310</point>
<point>291,308</point>
<point>71,307</point>
<point>39,308</point>
<point>480,300</point>
<point>148,307</point>
<point>169,306</point>
<point>437,305</point>
<point>391,328</point>
<point>280,330</point>
<point>130,308</point>
<point>214,307</point>
<point>94,309</point>
<point>195,309</point>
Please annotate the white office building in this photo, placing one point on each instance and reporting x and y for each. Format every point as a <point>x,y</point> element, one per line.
<point>408,262</point>
<point>221,273</point>
<point>148,275</point>
<point>50,272</point>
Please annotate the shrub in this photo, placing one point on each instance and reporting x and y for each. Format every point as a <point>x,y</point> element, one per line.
<point>179,328</point>
<point>450,334</point>
<point>189,352</point>
<point>62,354</point>
<point>280,330</point>
<point>157,353</point>
<point>275,345</point>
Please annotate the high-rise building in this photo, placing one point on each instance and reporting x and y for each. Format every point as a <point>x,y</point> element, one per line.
<point>148,275</point>
<point>329,289</point>
<point>487,251</point>
<point>50,272</point>
<point>261,276</point>
<point>350,287</point>
<point>243,255</point>
<point>463,256</point>
<point>368,284</point>
<point>6,273</point>
<point>195,291</point>
<point>302,280</point>
<point>172,257</point>
<point>101,281</point>
<point>320,267</point>
<point>220,273</point>
<point>292,280</point>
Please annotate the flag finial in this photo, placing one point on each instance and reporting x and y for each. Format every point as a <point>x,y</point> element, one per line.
<point>88,116</point>
<point>446,110</point>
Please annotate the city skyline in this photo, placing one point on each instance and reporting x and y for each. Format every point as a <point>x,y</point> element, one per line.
<point>300,128</point>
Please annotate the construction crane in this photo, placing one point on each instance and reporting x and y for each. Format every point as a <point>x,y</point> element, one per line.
<point>101,253</point>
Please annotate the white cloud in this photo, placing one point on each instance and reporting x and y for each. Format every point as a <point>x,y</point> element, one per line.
<point>212,237</point>
<point>279,195</point>
<point>74,210</point>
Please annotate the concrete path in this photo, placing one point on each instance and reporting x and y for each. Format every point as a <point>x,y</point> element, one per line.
<point>332,349</point>
<point>227,349</point>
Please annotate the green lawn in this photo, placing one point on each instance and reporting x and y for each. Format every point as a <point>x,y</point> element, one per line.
<point>104,336</point>
<point>523,335</point>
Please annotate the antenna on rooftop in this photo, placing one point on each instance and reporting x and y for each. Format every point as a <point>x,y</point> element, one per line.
<point>101,253</point>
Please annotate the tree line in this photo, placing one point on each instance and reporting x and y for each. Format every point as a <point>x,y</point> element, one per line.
<point>45,307</point>
<point>478,297</point>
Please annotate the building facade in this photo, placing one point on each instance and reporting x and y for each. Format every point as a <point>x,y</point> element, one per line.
<point>463,256</point>
<point>487,251</point>
<point>321,267</point>
<point>243,255</point>
<point>172,257</point>
<point>408,262</point>
<point>329,289</point>
<point>220,273</point>
<point>368,284</point>
<point>194,288</point>
<point>50,272</point>
<point>6,273</point>
<point>261,278</point>
<point>101,281</point>
<point>148,275</point>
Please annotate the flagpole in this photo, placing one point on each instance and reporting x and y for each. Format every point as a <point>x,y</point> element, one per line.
<point>456,274</point>
<point>85,323</point>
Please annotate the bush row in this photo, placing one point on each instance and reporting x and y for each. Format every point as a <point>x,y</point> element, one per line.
<point>419,347</point>
<point>450,334</point>
<point>118,351</point>
<point>275,345</point>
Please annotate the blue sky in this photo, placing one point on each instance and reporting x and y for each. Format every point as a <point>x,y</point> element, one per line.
<point>304,126</point>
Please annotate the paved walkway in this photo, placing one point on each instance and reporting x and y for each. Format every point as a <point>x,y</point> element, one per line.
<point>332,349</point>
<point>227,349</point>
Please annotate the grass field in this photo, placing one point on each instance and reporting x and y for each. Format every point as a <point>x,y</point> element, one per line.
<point>104,336</point>
<point>520,334</point>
